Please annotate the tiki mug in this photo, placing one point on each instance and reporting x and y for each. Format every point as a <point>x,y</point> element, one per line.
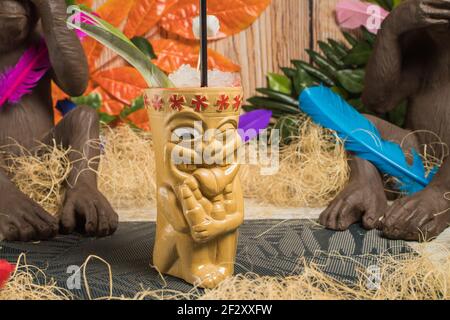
<point>199,196</point>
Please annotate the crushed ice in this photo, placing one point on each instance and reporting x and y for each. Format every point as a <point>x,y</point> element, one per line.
<point>186,77</point>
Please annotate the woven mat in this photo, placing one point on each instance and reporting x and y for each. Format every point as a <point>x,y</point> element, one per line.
<point>266,247</point>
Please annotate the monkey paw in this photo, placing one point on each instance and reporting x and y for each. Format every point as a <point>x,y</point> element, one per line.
<point>420,217</point>
<point>22,219</point>
<point>358,201</point>
<point>87,209</point>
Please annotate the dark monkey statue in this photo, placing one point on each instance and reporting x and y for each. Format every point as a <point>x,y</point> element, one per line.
<point>411,62</point>
<point>22,24</point>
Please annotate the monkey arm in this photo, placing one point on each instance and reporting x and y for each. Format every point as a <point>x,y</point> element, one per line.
<point>442,178</point>
<point>392,73</point>
<point>66,53</point>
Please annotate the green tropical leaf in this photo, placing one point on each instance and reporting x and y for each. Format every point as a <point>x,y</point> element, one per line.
<point>315,72</point>
<point>145,46</point>
<point>350,38</point>
<point>269,104</point>
<point>136,105</point>
<point>340,49</point>
<point>368,36</point>
<point>106,118</point>
<point>92,100</point>
<point>359,55</point>
<point>288,128</point>
<point>331,54</point>
<point>114,39</point>
<point>326,67</point>
<point>352,80</point>
<point>278,96</point>
<point>340,91</point>
<point>302,80</point>
<point>289,72</point>
<point>279,83</point>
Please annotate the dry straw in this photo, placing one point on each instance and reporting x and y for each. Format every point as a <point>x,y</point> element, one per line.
<point>313,169</point>
<point>127,168</point>
<point>406,277</point>
<point>31,283</point>
<point>409,277</point>
<point>39,173</point>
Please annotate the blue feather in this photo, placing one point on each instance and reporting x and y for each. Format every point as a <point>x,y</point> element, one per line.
<point>65,106</point>
<point>361,137</point>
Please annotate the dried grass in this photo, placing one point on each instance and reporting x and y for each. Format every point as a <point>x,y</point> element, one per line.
<point>409,277</point>
<point>313,169</point>
<point>31,283</point>
<point>405,277</point>
<point>433,154</point>
<point>40,174</point>
<point>127,168</point>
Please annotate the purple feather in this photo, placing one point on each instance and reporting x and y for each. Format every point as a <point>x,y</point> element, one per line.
<point>251,123</point>
<point>20,80</point>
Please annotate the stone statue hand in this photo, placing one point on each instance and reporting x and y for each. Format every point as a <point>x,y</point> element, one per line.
<point>417,14</point>
<point>197,210</point>
<point>208,230</point>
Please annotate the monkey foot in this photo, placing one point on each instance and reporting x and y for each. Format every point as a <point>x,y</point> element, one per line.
<point>421,217</point>
<point>87,208</point>
<point>358,201</point>
<point>22,219</point>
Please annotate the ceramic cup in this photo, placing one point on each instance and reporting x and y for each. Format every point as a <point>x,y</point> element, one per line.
<point>199,196</point>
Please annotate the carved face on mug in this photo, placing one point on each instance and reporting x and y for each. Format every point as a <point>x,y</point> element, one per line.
<point>202,146</point>
<point>17,19</point>
<point>195,135</point>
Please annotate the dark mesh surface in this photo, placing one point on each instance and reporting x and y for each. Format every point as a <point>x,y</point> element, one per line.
<point>266,247</point>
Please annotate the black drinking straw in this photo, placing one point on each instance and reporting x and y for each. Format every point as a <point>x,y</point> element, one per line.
<point>204,43</point>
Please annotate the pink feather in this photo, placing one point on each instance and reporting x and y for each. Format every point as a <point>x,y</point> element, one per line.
<point>20,80</point>
<point>80,17</point>
<point>352,14</point>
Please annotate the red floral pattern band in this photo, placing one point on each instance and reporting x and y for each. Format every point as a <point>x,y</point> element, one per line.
<point>199,103</point>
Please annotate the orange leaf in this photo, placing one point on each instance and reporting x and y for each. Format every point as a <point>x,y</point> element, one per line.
<point>115,11</point>
<point>140,119</point>
<point>234,15</point>
<point>114,107</point>
<point>172,54</point>
<point>57,116</point>
<point>220,62</point>
<point>87,3</point>
<point>144,15</point>
<point>124,83</point>
<point>57,93</point>
<point>109,104</point>
<point>93,50</point>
